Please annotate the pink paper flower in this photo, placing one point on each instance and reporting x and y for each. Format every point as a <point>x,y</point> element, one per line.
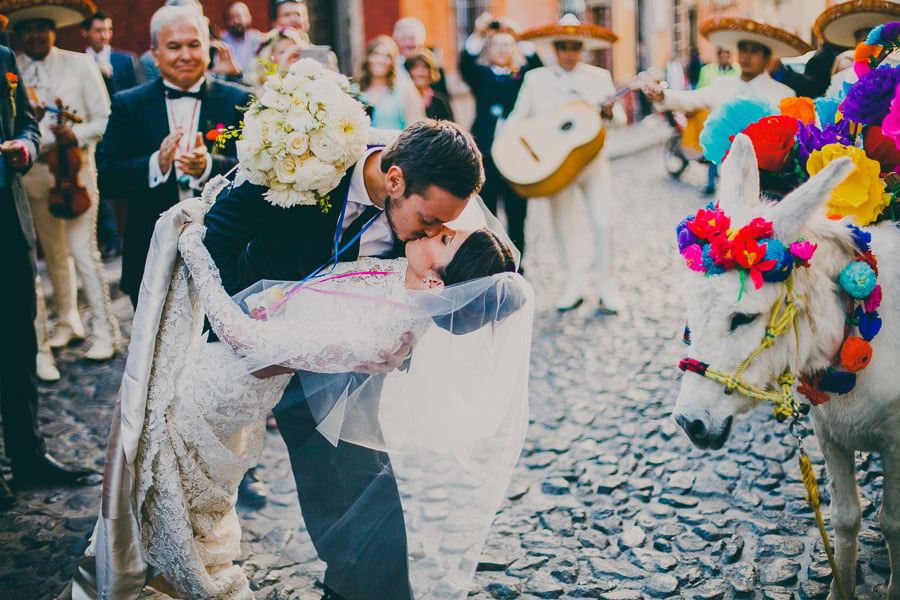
<point>873,300</point>
<point>693,257</point>
<point>802,251</point>
<point>890,127</point>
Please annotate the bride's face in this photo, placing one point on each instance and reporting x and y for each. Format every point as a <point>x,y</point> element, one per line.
<point>427,255</point>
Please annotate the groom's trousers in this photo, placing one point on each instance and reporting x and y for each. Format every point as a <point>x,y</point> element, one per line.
<point>349,500</point>
<point>18,394</point>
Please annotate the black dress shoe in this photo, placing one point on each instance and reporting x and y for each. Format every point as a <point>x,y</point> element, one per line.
<point>330,594</point>
<point>7,496</point>
<point>251,491</point>
<point>47,471</point>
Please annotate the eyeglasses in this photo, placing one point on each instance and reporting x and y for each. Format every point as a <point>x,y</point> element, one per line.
<point>280,2</point>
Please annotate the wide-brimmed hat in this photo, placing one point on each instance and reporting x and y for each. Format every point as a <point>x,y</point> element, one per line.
<point>837,24</point>
<point>570,29</point>
<point>61,12</point>
<point>726,32</point>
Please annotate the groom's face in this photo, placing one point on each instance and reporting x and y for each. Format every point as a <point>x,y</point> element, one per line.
<point>419,214</point>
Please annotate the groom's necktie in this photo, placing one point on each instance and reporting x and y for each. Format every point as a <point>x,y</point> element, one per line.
<point>352,253</point>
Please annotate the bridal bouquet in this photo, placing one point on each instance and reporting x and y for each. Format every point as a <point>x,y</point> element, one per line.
<point>301,134</point>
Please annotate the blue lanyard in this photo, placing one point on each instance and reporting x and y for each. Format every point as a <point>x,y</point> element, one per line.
<point>332,262</point>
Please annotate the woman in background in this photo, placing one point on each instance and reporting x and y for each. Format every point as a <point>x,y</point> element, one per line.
<point>395,101</point>
<point>423,71</point>
<point>495,85</point>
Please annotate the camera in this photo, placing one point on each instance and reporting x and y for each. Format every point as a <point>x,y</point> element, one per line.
<point>495,25</point>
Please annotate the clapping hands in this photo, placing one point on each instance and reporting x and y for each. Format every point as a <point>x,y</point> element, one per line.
<point>192,162</point>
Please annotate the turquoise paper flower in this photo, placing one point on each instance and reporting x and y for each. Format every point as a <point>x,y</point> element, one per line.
<point>857,279</point>
<point>729,120</point>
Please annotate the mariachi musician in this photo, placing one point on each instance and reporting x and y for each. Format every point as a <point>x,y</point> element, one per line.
<point>547,89</point>
<point>51,74</point>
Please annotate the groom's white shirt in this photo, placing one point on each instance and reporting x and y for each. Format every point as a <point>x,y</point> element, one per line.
<point>377,240</point>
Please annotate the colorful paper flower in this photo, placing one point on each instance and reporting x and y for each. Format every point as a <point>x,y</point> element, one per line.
<point>709,264</point>
<point>873,300</point>
<point>890,126</point>
<point>862,57</point>
<point>752,257</point>
<point>784,262</point>
<point>857,279</point>
<point>810,138</point>
<point>873,38</point>
<point>868,323</point>
<point>693,257</point>
<point>708,223</point>
<point>800,108</point>
<point>837,382</point>
<point>861,195</point>
<point>882,148</point>
<point>802,251</point>
<point>693,365</point>
<point>728,120</point>
<point>721,249</point>
<point>861,238</point>
<point>683,235</point>
<point>869,100</point>
<point>855,354</point>
<point>827,106</point>
<point>756,228</point>
<point>773,138</point>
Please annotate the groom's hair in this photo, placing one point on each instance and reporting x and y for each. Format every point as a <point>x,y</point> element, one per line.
<point>438,153</point>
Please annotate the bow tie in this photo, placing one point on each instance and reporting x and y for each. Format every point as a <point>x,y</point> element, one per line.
<point>173,94</point>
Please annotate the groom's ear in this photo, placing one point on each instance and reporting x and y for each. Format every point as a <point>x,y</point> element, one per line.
<point>394,180</point>
<point>432,280</point>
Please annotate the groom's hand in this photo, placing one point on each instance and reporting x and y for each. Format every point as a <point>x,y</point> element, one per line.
<point>392,360</point>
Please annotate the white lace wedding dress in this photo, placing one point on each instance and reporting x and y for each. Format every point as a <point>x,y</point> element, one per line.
<point>205,415</point>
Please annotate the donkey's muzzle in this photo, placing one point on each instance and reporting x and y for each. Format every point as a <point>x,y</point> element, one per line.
<point>701,435</point>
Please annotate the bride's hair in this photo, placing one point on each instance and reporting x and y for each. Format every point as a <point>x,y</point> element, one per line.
<point>483,254</point>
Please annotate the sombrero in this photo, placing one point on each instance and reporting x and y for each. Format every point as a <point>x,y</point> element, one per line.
<point>570,29</point>
<point>62,12</point>
<point>726,32</point>
<point>837,24</point>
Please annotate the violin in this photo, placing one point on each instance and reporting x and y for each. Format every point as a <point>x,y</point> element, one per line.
<point>69,198</point>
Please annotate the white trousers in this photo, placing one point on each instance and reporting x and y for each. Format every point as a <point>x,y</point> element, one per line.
<point>594,184</point>
<point>70,246</point>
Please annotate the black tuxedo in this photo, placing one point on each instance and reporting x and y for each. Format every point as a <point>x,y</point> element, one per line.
<point>250,240</point>
<point>137,125</point>
<point>18,394</point>
<point>124,72</point>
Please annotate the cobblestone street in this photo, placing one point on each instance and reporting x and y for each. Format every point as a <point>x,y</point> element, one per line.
<point>609,500</point>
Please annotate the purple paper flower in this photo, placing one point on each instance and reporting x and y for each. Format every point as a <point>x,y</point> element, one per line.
<point>869,100</point>
<point>868,323</point>
<point>861,237</point>
<point>837,382</point>
<point>810,138</point>
<point>683,234</point>
<point>890,32</point>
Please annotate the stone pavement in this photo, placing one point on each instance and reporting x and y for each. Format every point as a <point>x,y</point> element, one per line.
<point>609,499</point>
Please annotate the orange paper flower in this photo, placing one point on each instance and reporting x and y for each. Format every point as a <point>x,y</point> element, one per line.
<point>801,108</point>
<point>864,52</point>
<point>855,354</point>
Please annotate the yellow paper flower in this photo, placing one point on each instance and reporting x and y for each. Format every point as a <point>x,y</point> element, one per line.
<point>861,195</point>
<point>801,108</point>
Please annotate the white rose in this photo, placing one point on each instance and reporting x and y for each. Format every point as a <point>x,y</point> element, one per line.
<point>316,175</point>
<point>267,116</point>
<point>286,168</point>
<point>296,143</point>
<point>300,120</point>
<point>260,160</point>
<point>274,82</point>
<point>324,146</point>
<point>274,99</point>
<point>291,82</point>
<point>286,198</point>
<point>306,67</point>
<point>252,133</point>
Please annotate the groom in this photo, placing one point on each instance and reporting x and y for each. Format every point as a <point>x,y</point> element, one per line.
<point>408,190</point>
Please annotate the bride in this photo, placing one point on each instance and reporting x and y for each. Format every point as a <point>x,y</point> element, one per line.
<point>192,422</point>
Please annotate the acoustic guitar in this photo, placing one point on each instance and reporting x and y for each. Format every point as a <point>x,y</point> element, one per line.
<point>542,155</point>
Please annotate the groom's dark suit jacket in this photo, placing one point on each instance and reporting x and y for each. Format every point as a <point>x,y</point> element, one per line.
<point>137,125</point>
<point>251,239</point>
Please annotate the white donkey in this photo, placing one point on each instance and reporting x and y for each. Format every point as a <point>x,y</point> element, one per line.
<point>724,331</point>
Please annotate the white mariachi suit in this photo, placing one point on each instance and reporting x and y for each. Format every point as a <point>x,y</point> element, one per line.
<point>544,90</point>
<point>76,80</point>
<point>723,89</point>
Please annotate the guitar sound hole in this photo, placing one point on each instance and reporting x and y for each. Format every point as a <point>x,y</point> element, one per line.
<point>567,125</point>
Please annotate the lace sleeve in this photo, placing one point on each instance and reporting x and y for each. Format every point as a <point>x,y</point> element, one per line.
<point>313,349</point>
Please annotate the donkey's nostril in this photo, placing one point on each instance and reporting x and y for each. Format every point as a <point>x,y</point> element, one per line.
<point>696,429</point>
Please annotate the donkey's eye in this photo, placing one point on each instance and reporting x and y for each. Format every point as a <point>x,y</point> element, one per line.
<point>739,319</point>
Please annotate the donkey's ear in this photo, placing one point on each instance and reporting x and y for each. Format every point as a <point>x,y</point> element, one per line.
<point>740,176</point>
<point>791,214</point>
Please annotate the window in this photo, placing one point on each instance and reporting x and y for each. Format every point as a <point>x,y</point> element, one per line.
<point>600,13</point>
<point>466,13</point>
